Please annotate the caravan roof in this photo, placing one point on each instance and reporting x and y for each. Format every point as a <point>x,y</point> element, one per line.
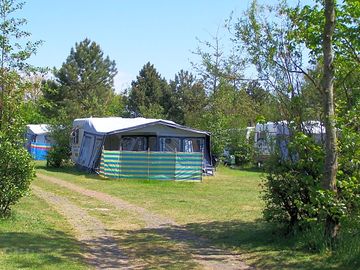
<point>38,129</point>
<point>118,124</point>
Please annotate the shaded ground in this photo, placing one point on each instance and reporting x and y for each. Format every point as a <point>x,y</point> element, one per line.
<point>101,243</point>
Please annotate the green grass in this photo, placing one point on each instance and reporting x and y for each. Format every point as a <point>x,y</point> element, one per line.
<point>225,209</point>
<point>36,237</point>
<point>108,214</point>
<point>228,196</point>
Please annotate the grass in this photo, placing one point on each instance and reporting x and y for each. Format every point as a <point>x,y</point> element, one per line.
<point>225,209</point>
<point>229,196</point>
<point>35,237</point>
<point>108,214</point>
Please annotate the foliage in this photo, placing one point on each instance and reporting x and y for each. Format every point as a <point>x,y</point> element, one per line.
<point>83,88</point>
<point>188,99</point>
<point>149,95</point>
<point>292,181</point>
<point>349,158</point>
<point>85,81</point>
<point>59,154</point>
<point>228,109</point>
<point>16,173</point>
<point>241,145</point>
<point>16,168</point>
<point>278,41</point>
<point>292,189</point>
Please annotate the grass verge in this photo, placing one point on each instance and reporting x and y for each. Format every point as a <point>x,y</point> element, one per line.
<point>36,237</point>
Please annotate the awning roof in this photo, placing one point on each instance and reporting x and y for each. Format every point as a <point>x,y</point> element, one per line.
<point>118,124</point>
<point>39,129</point>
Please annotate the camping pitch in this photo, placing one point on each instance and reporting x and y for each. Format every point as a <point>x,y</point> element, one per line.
<point>132,136</point>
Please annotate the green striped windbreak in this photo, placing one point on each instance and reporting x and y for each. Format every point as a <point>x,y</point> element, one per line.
<point>151,165</point>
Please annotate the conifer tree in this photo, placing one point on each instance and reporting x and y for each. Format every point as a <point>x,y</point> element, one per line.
<point>149,95</point>
<point>86,80</point>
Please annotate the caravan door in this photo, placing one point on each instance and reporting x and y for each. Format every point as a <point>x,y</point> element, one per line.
<point>86,150</point>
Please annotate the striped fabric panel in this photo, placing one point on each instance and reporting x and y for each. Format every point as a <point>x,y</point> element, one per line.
<point>39,150</point>
<point>151,165</point>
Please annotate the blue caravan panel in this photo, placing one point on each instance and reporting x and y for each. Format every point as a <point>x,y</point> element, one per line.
<point>39,150</point>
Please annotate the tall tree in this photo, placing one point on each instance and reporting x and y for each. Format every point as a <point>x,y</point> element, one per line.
<point>16,169</point>
<point>86,80</point>
<point>216,65</point>
<point>149,95</point>
<point>83,88</point>
<point>276,58</point>
<point>325,41</point>
<point>331,163</point>
<point>188,98</point>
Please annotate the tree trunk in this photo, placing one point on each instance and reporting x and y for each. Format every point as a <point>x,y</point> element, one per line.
<point>331,164</point>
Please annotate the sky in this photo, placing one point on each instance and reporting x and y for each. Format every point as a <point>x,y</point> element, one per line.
<point>131,32</point>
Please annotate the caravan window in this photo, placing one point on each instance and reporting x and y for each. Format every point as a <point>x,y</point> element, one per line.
<point>194,145</point>
<point>75,135</point>
<point>133,143</point>
<point>170,144</point>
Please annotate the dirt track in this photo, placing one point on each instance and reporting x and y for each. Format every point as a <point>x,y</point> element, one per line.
<point>102,249</point>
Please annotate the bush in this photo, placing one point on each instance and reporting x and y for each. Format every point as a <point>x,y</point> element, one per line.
<point>16,173</point>
<point>291,183</point>
<point>59,155</point>
<point>292,187</point>
<point>241,147</point>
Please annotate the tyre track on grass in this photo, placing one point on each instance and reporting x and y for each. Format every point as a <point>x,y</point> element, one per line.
<point>201,249</point>
<point>101,250</point>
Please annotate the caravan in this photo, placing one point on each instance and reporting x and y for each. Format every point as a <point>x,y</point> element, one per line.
<point>269,135</point>
<point>92,135</point>
<point>38,141</point>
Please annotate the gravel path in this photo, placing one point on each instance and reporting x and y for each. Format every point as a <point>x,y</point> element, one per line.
<point>202,251</point>
<point>101,250</point>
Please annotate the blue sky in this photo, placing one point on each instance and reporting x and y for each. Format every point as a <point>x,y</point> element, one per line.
<point>131,32</point>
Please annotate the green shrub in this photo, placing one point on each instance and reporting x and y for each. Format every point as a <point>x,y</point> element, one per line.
<point>59,155</point>
<point>289,188</point>
<point>16,173</point>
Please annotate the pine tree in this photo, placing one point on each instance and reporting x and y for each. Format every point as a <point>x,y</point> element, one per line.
<point>86,80</point>
<point>188,98</point>
<point>149,95</point>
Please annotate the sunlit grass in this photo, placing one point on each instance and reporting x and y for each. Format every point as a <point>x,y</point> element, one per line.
<point>36,237</point>
<point>227,209</point>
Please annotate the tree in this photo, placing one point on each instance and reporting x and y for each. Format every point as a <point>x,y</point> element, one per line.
<point>331,152</point>
<point>325,41</point>
<point>149,95</point>
<point>188,99</point>
<point>295,32</point>
<point>16,168</point>
<point>215,65</point>
<point>86,80</point>
<point>228,110</point>
<point>276,58</point>
<point>83,88</point>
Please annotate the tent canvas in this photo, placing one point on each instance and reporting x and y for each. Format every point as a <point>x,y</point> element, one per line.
<point>91,135</point>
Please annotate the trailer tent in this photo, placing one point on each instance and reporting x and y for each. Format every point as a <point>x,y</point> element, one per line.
<point>38,141</point>
<point>91,136</point>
